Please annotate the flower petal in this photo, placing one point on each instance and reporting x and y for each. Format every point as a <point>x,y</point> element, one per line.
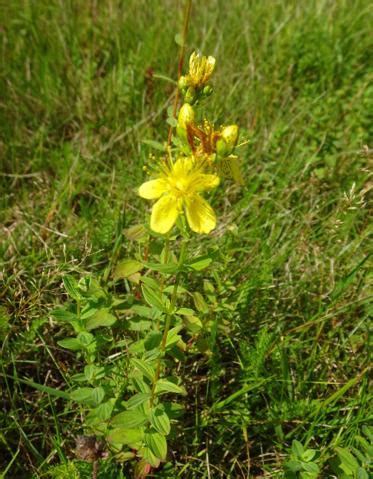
<point>208,69</point>
<point>193,63</point>
<point>164,214</point>
<point>153,189</point>
<point>200,215</point>
<point>205,182</point>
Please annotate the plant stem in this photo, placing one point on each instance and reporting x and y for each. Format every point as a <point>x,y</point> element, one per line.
<point>187,10</point>
<point>94,469</point>
<point>168,321</point>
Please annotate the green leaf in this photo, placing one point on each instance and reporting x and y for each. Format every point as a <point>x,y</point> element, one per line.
<point>173,336</point>
<point>131,419</point>
<point>92,372</point>
<point>152,283</point>
<point>149,457</point>
<point>98,395</point>
<point>72,288</point>
<point>368,431</point>
<point>311,467</point>
<point>145,368</point>
<point>362,474</point>
<point>79,377</point>
<point>165,386</point>
<point>160,421</point>
<point>293,466</point>
<point>180,289</point>
<point>92,396</point>
<point>102,318</point>
<point>347,459</point>
<point>86,339</point>
<point>70,343</point>
<point>137,399</point>
<point>364,444</point>
<point>199,263</point>
<point>297,448</point>
<point>192,324</point>
<point>308,455</point>
<point>63,315</point>
<point>137,347</point>
<point>127,436</point>
<point>199,302</point>
<point>157,444</point>
<point>143,311</point>
<point>136,233</point>
<point>152,354</point>
<point>185,311</point>
<point>104,410</point>
<point>171,120</point>
<point>88,311</point>
<point>152,341</point>
<point>140,385</point>
<point>139,324</point>
<point>168,268</point>
<point>127,268</point>
<point>154,298</point>
<point>359,455</point>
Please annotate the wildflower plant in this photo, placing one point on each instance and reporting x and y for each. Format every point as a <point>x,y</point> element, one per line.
<point>128,389</point>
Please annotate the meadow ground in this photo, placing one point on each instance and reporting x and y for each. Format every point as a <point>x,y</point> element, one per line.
<point>82,85</point>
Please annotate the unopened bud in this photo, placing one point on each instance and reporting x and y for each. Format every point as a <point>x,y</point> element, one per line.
<point>230,135</point>
<point>190,95</point>
<point>207,90</point>
<point>222,149</point>
<point>186,115</point>
<point>183,82</point>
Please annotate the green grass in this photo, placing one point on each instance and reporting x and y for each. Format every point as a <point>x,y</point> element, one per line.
<point>79,92</point>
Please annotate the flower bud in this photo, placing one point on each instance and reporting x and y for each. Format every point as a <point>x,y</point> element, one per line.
<point>222,149</point>
<point>190,95</point>
<point>207,90</point>
<point>183,82</point>
<point>200,69</point>
<point>230,135</point>
<point>186,115</point>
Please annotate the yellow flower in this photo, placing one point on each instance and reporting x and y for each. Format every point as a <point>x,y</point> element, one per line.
<point>178,188</point>
<point>200,69</point>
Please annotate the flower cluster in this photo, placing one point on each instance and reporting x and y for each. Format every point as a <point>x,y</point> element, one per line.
<point>194,85</point>
<point>204,139</point>
<point>203,155</point>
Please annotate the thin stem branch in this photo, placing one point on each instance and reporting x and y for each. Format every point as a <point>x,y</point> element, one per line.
<point>95,469</point>
<point>187,10</point>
